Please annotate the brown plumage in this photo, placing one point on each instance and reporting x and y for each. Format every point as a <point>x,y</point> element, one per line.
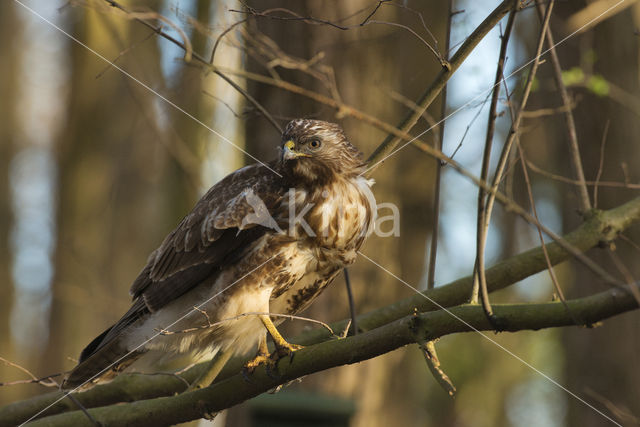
<point>242,250</point>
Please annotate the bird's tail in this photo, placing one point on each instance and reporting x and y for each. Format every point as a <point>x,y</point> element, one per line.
<point>99,363</point>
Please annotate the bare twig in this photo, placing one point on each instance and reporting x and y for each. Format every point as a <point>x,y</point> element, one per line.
<point>541,112</point>
<point>624,415</point>
<point>431,121</point>
<point>123,53</point>
<point>504,155</point>
<point>572,134</point>
<point>86,413</point>
<point>525,172</point>
<point>293,16</point>
<point>566,180</point>
<point>482,214</point>
<point>142,16</point>
<point>431,357</point>
<point>352,303</point>
<point>630,242</point>
<point>550,269</point>
<point>628,277</point>
<point>443,62</point>
<point>391,141</point>
<point>220,100</point>
<point>471,122</point>
<point>374,11</point>
<point>433,248</point>
<point>45,381</point>
<point>601,164</point>
<point>196,56</point>
<point>229,319</point>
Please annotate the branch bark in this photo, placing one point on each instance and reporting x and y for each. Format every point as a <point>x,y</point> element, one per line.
<point>407,330</point>
<point>601,227</point>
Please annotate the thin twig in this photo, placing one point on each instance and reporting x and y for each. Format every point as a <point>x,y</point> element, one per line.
<point>479,283</point>
<point>431,357</point>
<point>550,269</point>
<point>443,62</point>
<point>541,112</point>
<point>220,100</point>
<point>471,122</point>
<point>566,180</point>
<point>83,409</point>
<point>628,276</point>
<point>630,242</point>
<point>352,303</point>
<point>45,381</point>
<point>523,162</point>
<point>621,413</point>
<point>123,53</point>
<point>15,365</point>
<point>293,16</point>
<point>143,16</point>
<point>435,225</point>
<point>199,58</point>
<point>239,316</point>
<point>431,121</point>
<point>601,164</point>
<point>392,140</point>
<point>504,156</point>
<point>572,134</point>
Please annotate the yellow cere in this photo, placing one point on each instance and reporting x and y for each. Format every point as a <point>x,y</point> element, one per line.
<point>290,144</point>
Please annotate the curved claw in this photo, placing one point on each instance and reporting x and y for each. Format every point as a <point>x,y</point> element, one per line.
<point>251,365</point>
<point>284,349</point>
<point>270,361</point>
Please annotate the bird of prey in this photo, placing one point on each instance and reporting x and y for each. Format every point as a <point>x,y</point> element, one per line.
<point>265,240</point>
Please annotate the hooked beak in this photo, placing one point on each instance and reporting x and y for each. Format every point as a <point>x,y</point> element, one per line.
<point>288,152</point>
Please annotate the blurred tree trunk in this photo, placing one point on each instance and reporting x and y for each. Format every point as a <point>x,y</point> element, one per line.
<point>112,203</point>
<point>600,362</point>
<point>9,60</point>
<point>187,92</point>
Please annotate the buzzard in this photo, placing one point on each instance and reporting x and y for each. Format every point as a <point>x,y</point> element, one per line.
<point>266,239</point>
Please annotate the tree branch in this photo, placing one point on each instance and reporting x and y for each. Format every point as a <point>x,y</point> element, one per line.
<point>410,329</point>
<point>602,226</point>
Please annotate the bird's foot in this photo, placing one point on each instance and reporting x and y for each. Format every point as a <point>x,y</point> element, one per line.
<point>260,359</point>
<point>270,361</point>
<point>284,349</point>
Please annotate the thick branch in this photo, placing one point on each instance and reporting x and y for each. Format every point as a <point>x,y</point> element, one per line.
<point>603,226</point>
<point>423,327</point>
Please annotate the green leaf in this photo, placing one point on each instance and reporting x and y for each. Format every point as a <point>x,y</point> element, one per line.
<point>598,85</point>
<point>573,76</point>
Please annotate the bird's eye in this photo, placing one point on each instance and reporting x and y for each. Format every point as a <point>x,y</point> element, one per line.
<point>314,143</point>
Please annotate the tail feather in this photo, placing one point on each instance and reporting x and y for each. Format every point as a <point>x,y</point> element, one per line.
<point>99,363</point>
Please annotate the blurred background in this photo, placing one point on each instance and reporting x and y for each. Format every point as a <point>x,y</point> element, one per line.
<point>96,169</point>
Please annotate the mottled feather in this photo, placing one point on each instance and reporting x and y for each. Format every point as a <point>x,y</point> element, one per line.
<point>225,255</point>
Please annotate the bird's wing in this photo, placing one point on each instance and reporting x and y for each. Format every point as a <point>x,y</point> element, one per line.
<point>214,234</point>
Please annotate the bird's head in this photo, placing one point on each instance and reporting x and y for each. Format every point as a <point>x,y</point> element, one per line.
<point>317,151</point>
